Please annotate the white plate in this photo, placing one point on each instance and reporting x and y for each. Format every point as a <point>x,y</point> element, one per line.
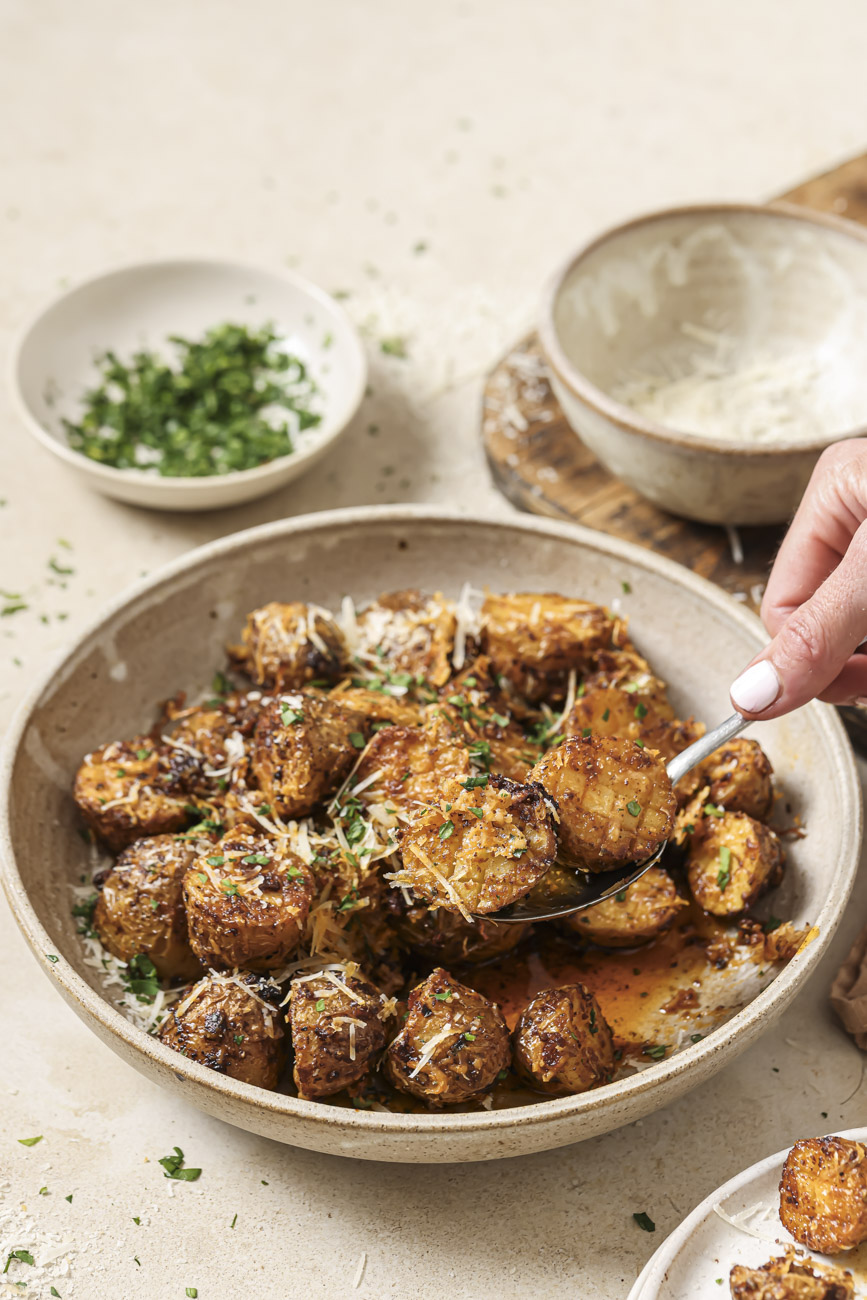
<point>705,1247</point>
<point>140,306</point>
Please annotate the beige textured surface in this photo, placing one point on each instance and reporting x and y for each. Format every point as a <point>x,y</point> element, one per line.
<point>344,134</point>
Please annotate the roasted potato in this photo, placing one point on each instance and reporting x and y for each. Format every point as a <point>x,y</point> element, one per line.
<point>414,763</point>
<point>479,849</point>
<point>790,1278</point>
<point>140,908</point>
<point>731,861</point>
<point>453,1044</point>
<point>634,916</point>
<point>614,800</point>
<point>823,1194</point>
<point>303,747</point>
<point>410,634</point>
<point>445,938</point>
<point>562,1042</point>
<point>613,711</point>
<point>337,1020</point>
<point>126,790</point>
<point>738,777</point>
<point>247,902</point>
<point>232,1024</point>
<point>535,639</point>
<point>286,646</point>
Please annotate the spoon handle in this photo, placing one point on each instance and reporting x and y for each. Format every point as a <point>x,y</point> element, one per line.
<point>711,740</point>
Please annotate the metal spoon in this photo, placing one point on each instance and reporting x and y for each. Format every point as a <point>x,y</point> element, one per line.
<point>563,892</point>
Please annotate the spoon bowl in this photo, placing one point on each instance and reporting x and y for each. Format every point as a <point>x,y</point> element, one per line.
<point>563,892</point>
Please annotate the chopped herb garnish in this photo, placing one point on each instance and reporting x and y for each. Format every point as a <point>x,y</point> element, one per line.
<point>52,957</point>
<point>356,739</point>
<point>713,810</point>
<point>229,888</point>
<point>62,569</point>
<point>288,715</point>
<point>234,1221</point>
<point>30,1142</point>
<point>626,588</point>
<point>228,401</point>
<point>142,754</point>
<point>216,861</point>
<point>478,812</point>
<point>220,684</point>
<point>501,719</point>
<point>633,808</point>
<point>475,782</point>
<point>320,1005</point>
<point>239,1038</point>
<point>471,1038</point>
<point>255,859</point>
<point>656,1052</point>
<point>447,829</point>
<point>192,1291</point>
<point>140,978</point>
<point>136,1219</point>
<point>640,710</point>
<point>724,874</point>
<point>585,732</point>
<point>23,1256</point>
<point>68,1198</point>
<point>773,923</point>
<point>503,1074</point>
<point>606,715</point>
<point>13,608</point>
<point>394,347</point>
<point>444,997</point>
<point>174,1167</point>
<point>201,877</point>
<point>43,1191</point>
<point>644,1221</point>
<point>620,897</point>
<point>696,1038</point>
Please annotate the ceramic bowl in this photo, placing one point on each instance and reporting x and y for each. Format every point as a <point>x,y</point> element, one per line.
<point>778,291</point>
<point>140,306</point>
<point>168,633</point>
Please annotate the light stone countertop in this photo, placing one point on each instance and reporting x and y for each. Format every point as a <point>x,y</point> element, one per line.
<point>337,137</point>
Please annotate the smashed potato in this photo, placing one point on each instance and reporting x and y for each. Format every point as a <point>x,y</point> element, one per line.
<point>337,1020</point>
<point>286,646</point>
<point>453,1044</point>
<point>823,1194</point>
<point>536,640</point>
<point>412,764</point>
<point>481,849</point>
<point>614,801</point>
<point>634,916</point>
<point>303,748</point>
<point>124,791</point>
<point>790,1278</point>
<point>247,902</point>
<point>738,777</point>
<point>140,909</point>
<point>732,860</point>
<point>410,633</point>
<point>446,939</point>
<point>231,1024</point>
<point>563,1043</point>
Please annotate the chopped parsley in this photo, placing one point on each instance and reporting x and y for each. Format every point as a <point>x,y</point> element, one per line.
<point>644,1221</point>
<point>23,1256</point>
<point>234,1221</point>
<point>320,1005</point>
<point>255,859</point>
<point>216,861</point>
<point>447,829</point>
<point>52,957</point>
<point>228,401</point>
<point>474,782</point>
<point>192,1292</point>
<point>394,347</point>
<point>229,888</point>
<point>606,715</point>
<point>713,810</point>
<point>626,588</point>
<point>356,739</point>
<point>142,754</point>
<point>724,874</point>
<point>174,1167</point>
<point>30,1142</point>
<point>696,1038</point>
<point>633,808</point>
<point>478,812</point>
<point>585,732</point>
<point>140,978</point>
<point>656,1052</point>
<point>640,710</point>
<point>290,715</point>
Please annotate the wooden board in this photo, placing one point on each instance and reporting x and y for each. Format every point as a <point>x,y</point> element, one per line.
<point>541,466</point>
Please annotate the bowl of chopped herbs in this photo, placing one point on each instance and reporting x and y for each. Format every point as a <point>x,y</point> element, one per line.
<point>189,384</point>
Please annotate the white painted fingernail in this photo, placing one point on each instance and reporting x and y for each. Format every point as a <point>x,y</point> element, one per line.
<point>757,688</point>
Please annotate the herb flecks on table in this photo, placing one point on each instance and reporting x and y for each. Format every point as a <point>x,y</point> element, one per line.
<point>229,401</point>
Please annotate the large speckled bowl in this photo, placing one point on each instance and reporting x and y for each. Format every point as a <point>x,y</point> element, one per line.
<point>169,631</point>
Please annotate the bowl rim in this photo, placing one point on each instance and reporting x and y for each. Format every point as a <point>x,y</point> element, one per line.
<point>171,485</point>
<point>114,1024</point>
<point>625,417</point>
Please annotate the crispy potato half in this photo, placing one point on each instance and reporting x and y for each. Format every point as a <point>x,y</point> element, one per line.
<point>247,902</point>
<point>634,916</point>
<point>232,1024</point>
<point>614,800</point>
<point>337,1019</point>
<point>286,646</point>
<point>823,1194</point>
<point>563,1043</point>
<point>453,1044</point>
<point>732,860</point>
<point>481,849</point>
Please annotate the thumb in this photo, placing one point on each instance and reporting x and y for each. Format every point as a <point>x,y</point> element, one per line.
<point>814,645</point>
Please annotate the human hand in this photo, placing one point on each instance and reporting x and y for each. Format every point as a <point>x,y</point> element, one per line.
<point>815,603</point>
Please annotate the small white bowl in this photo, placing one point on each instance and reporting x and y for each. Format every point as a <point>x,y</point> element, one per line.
<point>761,287</point>
<point>140,306</point>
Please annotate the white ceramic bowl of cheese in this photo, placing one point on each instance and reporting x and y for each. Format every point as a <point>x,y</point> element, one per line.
<point>708,354</point>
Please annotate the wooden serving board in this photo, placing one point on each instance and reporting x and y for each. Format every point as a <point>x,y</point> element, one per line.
<point>542,466</point>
